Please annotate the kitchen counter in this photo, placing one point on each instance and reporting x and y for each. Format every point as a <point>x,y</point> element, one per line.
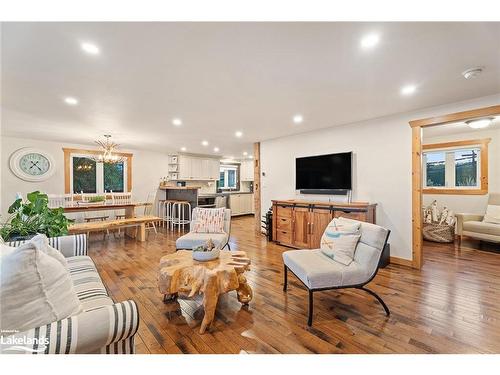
<point>235,192</point>
<point>180,187</point>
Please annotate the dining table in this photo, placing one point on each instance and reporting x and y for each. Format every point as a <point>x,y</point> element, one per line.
<point>129,209</point>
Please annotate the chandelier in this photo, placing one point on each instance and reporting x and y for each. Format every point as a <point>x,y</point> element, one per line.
<point>107,156</point>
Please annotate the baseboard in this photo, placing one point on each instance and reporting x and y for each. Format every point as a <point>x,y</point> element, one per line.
<point>401,262</point>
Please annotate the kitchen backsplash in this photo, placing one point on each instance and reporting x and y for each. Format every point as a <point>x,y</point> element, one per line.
<point>207,187</point>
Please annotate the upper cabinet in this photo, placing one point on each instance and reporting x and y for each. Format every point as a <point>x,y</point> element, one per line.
<point>198,168</point>
<point>246,170</point>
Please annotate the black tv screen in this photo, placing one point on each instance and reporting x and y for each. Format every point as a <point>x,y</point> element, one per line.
<point>324,172</point>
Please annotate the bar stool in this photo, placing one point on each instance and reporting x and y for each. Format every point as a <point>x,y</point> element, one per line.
<point>179,214</point>
<point>165,211</point>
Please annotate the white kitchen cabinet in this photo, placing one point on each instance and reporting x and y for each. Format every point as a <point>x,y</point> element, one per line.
<point>241,204</point>
<point>246,170</point>
<point>184,167</point>
<point>198,168</point>
<point>214,169</point>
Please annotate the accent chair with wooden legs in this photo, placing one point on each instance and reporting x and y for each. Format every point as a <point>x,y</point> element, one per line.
<point>481,227</point>
<point>318,272</point>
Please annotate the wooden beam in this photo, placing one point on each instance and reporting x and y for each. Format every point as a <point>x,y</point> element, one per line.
<point>416,177</point>
<point>458,116</point>
<point>256,185</point>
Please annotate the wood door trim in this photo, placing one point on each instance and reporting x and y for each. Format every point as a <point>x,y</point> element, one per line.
<point>416,152</point>
<point>256,186</point>
<point>455,117</point>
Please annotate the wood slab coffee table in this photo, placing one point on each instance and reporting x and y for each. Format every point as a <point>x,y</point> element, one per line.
<point>181,275</point>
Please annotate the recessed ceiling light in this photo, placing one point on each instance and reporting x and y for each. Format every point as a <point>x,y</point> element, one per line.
<point>90,48</point>
<point>408,89</point>
<point>297,119</point>
<point>183,148</point>
<point>70,100</point>
<point>177,121</point>
<point>370,41</point>
<point>245,153</point>
<point>250,157</point>
<point>472,73</point>
<point>216,149</point>
<point>204,143</point>
<point>239,134</point>
<point>479,124</point>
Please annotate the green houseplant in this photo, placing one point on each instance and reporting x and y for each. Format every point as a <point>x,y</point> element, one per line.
<point>34,216</point>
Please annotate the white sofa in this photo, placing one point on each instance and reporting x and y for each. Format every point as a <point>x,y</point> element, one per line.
<point>103,327</point>
<point>318,272</point>
<point>191,239</point>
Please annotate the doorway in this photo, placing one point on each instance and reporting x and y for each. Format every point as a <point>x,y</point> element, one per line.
<point>417,127</point>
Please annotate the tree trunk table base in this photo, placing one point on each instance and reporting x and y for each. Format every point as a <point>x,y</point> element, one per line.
<point>181,275</point>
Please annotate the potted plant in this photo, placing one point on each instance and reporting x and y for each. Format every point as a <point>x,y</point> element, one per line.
<point>34,216</point>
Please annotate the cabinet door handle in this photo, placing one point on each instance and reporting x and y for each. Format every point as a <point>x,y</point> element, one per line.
<point>312,228</point>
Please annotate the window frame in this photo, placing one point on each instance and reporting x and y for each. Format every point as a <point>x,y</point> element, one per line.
<point>69,153</point>
<point>237,176</point>
<point>481,188</point>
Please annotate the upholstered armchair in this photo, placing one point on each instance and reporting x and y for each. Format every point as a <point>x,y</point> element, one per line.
<point>192,239</point>
<point>318,272</point>
<point>473,226</point>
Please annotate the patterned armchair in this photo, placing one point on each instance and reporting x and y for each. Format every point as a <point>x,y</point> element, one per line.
<point>102,327</point>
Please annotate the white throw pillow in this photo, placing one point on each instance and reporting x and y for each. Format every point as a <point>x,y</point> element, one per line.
<point>41,243</point>
<point>35,288</point>
<point>342,248</point>
<point>492,214</point>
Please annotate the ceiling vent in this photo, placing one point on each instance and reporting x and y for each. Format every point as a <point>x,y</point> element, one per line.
<point>472,73</point>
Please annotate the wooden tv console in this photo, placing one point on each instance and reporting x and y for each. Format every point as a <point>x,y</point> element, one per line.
<point>300,224</point>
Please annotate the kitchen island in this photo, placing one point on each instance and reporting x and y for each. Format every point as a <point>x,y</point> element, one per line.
<point>181,193</point>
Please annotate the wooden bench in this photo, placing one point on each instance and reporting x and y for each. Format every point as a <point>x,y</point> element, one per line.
<point>99,226</point>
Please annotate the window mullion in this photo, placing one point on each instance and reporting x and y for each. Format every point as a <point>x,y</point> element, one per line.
<point>449,170</point>
<point>100,178</point>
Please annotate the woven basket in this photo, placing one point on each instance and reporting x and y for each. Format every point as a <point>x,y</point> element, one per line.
<point>439,233</point>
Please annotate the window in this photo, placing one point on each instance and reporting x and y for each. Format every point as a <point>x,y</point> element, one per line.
<point>82,174</point>
<point>229,177</point>
<point>456,167</point>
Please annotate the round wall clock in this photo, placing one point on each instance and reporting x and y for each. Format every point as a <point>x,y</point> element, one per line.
<point>31,164</point>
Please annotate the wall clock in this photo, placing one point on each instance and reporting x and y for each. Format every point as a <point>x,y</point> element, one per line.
<point>31,164</point>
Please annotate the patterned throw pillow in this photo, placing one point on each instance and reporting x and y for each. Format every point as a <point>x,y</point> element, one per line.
<point>208,220</point>
<point>343,248</point>
<point>339,241</point>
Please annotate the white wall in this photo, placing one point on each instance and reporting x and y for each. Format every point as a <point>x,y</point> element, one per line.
<point>381,165</point>
<point>470,203</point>
<point>147,169</point>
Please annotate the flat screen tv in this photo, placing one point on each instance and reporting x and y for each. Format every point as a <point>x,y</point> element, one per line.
<point>315,174</point>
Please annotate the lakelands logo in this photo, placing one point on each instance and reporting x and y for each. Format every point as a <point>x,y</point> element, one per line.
<point>11,344</point>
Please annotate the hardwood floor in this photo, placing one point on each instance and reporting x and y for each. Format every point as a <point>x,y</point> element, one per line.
<point>451,306</point>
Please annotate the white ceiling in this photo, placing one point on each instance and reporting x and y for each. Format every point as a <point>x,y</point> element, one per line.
<point>223,77</point>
